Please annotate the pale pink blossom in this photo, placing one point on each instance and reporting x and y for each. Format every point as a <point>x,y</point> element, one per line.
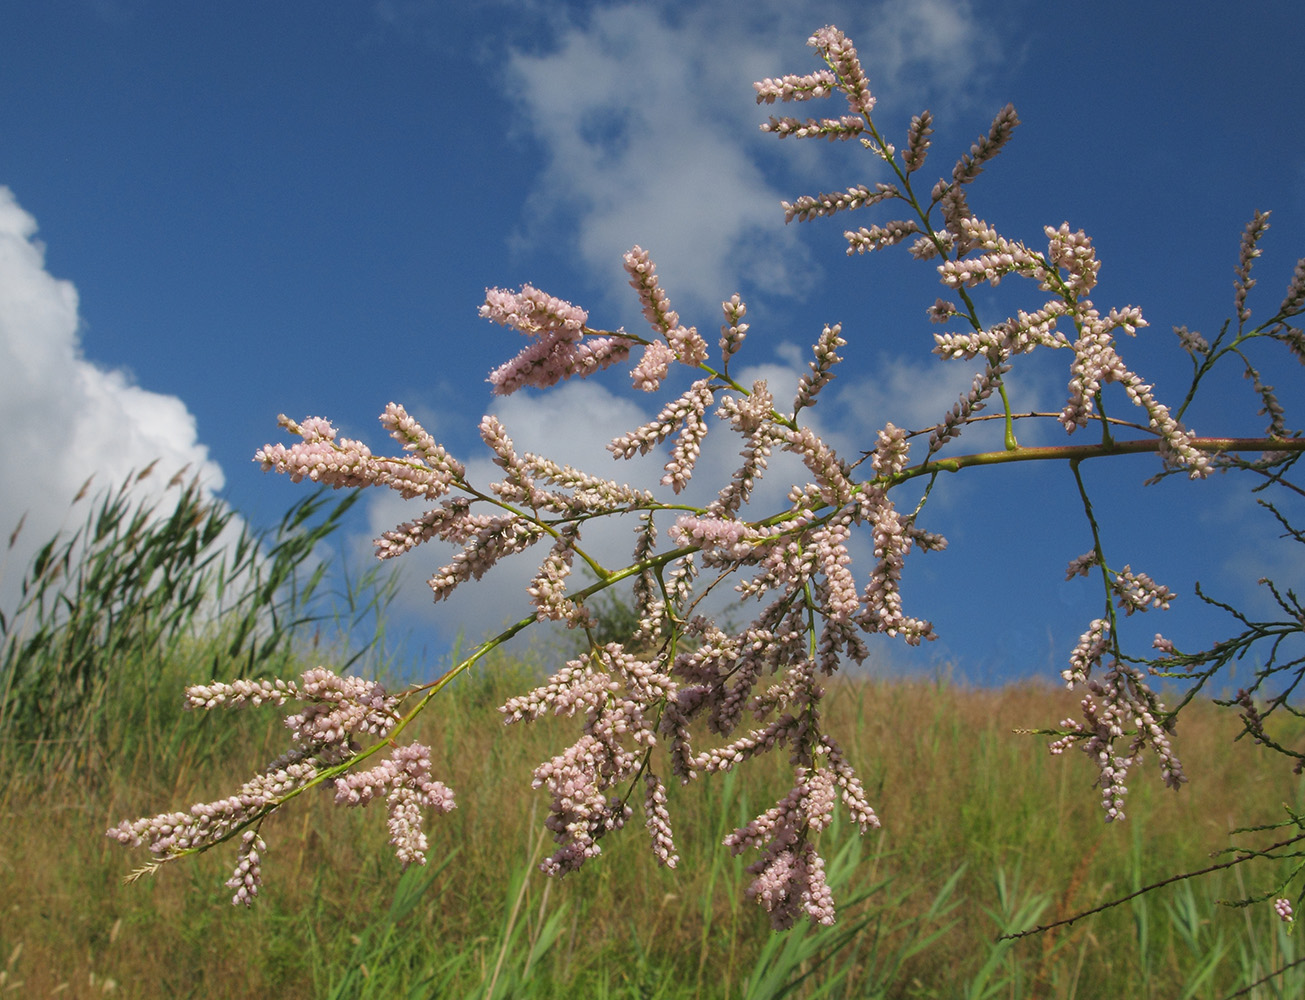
<point>404,781</point>
<point>795,88</point>
<point>1082,565</point>
<point>248,876</point>
<point>659,820</point>
<point>1193,343</point>
<point>847,127</point>
<point>808,207</point>
<point>986,147</point>
<point>1295,298</point>
<point>1092,645</point>
<point>643,279</point>
<point>647,375</point>
<point>1138,592</point>
<point>917,143</point>
<point>839,52</point>
<point>734,329</point>
<point>984,385</point>
<point>867,239</point>
<point>821,374</point>
<point>1255,229</point>
<point>532,311</point>
<point>322,458</point>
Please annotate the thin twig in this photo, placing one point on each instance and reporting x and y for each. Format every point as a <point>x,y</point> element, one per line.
<point>1148,888</point>
<point>1259,982</point>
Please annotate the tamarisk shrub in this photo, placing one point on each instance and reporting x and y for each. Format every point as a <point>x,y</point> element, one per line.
<point>685,698</point>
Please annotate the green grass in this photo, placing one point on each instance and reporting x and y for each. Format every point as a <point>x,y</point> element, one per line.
<point>983,833</point>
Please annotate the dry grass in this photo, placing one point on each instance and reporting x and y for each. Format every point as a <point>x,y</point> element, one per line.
<point>951,782</point>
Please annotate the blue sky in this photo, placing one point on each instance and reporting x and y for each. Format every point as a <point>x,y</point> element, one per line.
<point>216,213</point>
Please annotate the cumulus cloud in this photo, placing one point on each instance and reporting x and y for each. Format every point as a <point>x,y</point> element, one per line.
<point>640,151</point>
<point>649,130</point>
<point>64,418</point>
<point>931,50</point>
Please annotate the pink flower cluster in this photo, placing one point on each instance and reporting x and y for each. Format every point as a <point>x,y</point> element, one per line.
<point>840,55</point>
<point>917,141</point>
<point>734,330</point>
<point>248,876</point>
<point>683,414</point>
<point>1070,270</point>
<point>562,347</point>
<point>1249,251</point>
<point>1137,592</point>
<point>548,589</point>
<point>868,239</point>
<point>428,471</point>
<point>790,874</point>
<point>795,88</point>
<point>984,385</point>
<point>1092,645</point>
<point>750,416</point>
<point>631,704</point>
<point>618,694</point>
<point>846,127</point>
<point>847,76</point>
<point>683,343</point>
<point>985,147</point>
<point>807,207</point>
<point>404,781</point>
<point>484,538</point>
<point>335,711</point>
<point>1127,703</point>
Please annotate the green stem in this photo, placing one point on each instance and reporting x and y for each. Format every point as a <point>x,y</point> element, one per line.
<point>1081,452</point>
<point>1009,421</point>
<point>1100,553</point>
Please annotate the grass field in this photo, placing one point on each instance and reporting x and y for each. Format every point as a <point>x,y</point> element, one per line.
<point>983,832</point>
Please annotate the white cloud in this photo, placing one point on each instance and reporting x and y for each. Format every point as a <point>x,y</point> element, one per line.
<point>650,131</point>
<point>930,49</point>
<point>64,418</point>
<point>640,150</point>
